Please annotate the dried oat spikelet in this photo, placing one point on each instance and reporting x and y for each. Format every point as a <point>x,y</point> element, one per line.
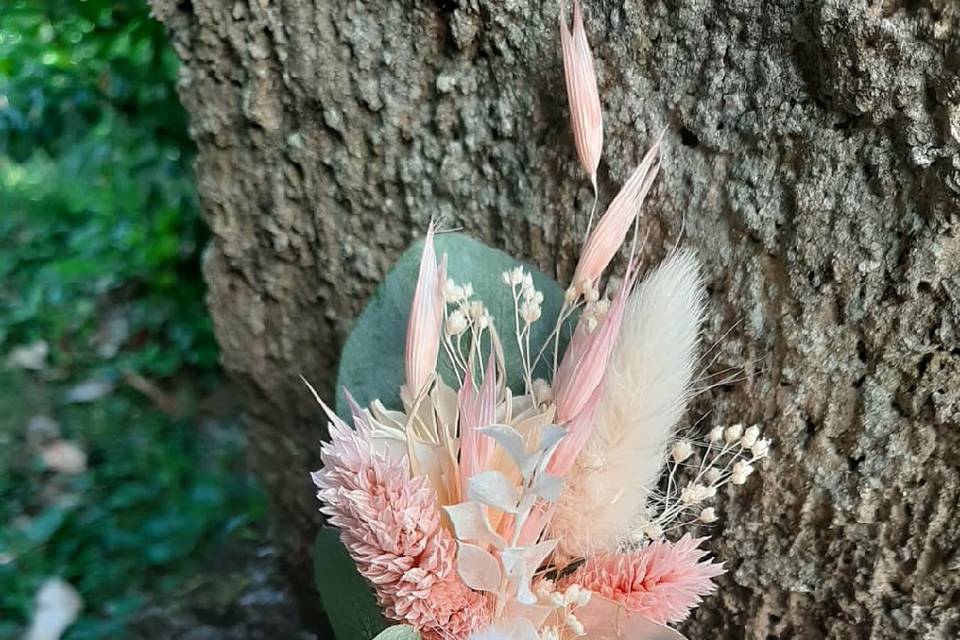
<point>585,114</point>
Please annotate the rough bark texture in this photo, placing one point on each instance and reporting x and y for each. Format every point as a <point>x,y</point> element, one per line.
<point>812,159</point>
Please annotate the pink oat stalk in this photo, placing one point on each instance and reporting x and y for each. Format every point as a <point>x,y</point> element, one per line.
<point>612,228</point>
<point>426,319</point>
<point>390,525</point>
<point>585,114</point>
<point>662,581</point>
<point>583,365</point>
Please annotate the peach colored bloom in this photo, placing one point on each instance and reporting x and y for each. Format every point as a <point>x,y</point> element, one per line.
<point>611,230</point>
<point>662,581</point>
<point>426,319</point>
<point>585,113</point>
<point>390,525</point>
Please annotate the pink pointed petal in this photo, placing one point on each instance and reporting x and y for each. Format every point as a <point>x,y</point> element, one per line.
<point>426,318</point>
<point>478,409</point>
<point>585,361</point>
<point>612,228</point>
<point>578,431</point>
<point>586,116</point>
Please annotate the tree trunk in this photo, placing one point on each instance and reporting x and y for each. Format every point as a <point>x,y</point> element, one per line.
<point>812,158</point>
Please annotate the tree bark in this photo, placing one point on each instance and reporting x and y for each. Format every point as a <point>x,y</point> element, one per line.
<point>812,158</point>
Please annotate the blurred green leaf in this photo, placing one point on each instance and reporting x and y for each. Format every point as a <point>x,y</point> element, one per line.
<point>347,598</point>
<point>399,632</point>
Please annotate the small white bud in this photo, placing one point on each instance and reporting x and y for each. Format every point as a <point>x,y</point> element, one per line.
<point>760,448</point>
<point>530,312</point>
<point>653,531</point>
<point>750,436</point>
<point>484,321</point>
<point>505,276</point>
<point>708,515</point>
<point>741,471</point>
<point>456,324</point>
<point>527,281</point>
<point>538,297</point>
<point>467,290</point>
<point>733,433</point>
<point>681,451</point>
<point>695,493</point>
<point>584,598</point>
<point>570,295</point>
<point>592,294</point>
<point>591,323</point>
<point>716,434</point>
<point>542,391</point>
<point>529,293</point>
<point>516,276</point>
<point>573,624</point>
<point>712,475</point>
<point>572,594</point>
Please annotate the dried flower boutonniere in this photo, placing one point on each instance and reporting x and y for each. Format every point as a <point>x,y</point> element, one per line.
<point>513,469</point>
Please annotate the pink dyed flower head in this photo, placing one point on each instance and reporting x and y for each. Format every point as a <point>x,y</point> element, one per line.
<point>585,114</point>
<point>390,525</point>
<point>662,581</point>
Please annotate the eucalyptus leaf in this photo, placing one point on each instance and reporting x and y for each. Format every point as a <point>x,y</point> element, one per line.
<point>347,598</point>
<point>372,365</point>
<point>399,632</point>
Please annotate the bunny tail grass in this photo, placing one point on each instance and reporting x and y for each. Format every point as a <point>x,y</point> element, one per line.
<point>646,388</point>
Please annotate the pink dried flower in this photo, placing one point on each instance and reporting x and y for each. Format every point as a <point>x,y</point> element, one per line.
<point>612,228</point>
<point>390,525</point>
<point>585,113</point>
<point>584,364</point>
<point>426,319</point>
<point>478,409</point>
<point>662,581</point>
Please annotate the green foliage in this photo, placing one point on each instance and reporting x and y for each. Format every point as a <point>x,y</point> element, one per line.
<point>151,501</point>
<point>100,241</point>
<point>96,189</point>
<point>347,598</point>
<point>372,364</point>
<point>399,632</point>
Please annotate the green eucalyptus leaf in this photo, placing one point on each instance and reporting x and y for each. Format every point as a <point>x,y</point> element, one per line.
<point>372,363</point>
<point>347,598</point>
<point>399,632</point>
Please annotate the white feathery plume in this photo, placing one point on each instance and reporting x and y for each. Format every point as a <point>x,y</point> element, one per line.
<point>646,387</point>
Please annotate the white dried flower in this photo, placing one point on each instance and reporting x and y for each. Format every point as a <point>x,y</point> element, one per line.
<point>516,276</point>
<point>750,436</point>
<point>574,625</point>
<point>456,323</point>
<point>760,448</point>
<point>572,594</point>
<point>507,278</point>
<point>584,598</point>
<point>452,294</point>
<point>542,391</point>
<point>652,531</point>
<point>694,493</point>
<point>708,515</point>
<point>682,450</point>
<point>741,471</point>
<point>530,312</point>
<point>733,433</point>
<point>716,434</point>
<point>712,475</point>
